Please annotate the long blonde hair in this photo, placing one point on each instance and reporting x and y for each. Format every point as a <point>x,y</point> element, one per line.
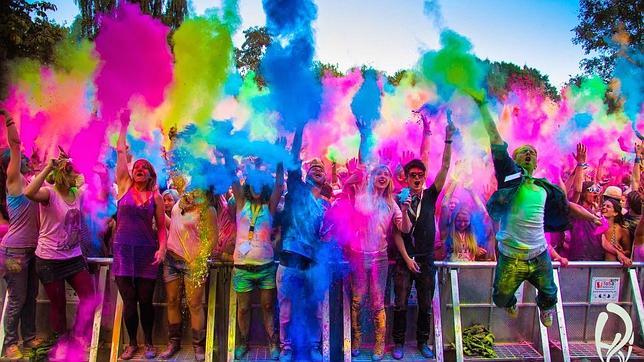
<point>454,237</point>
<point>388,193</point>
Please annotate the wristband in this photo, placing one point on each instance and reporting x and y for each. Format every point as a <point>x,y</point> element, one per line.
<point>582,165</point>
<point>448,141</point>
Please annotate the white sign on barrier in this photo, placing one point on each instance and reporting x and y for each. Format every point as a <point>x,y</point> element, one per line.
<point>604,290</point>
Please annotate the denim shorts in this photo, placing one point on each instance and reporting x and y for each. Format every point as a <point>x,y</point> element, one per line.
<point>247,278</point>
<point>174,268</point>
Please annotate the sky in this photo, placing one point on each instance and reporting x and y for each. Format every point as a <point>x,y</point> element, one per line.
<point>391,34</point>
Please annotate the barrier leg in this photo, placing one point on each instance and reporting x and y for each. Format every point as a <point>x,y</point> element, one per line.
<point>4,311</point>
<point>116,329</point>
<point>438,325</point>
<point>210,321</point>
<point>637,296</point>
<point>346,321</point>
<point>232,324</point>
<point>96,328</point>
<point>326,348</point>
<point>561,320</point>
<point>545,343</point>
<point>456,305</point>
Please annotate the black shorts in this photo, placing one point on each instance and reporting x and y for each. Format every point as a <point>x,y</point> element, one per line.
<point>51,270</point>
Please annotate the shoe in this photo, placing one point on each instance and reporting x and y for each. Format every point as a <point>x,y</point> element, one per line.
<point>398,352</point>
<point>13,352</point>
<point>286,355</point>
<point>546,316</point>
<point>34,343</point>
<point>274,351</point>
<point>316,354</point>
<point>377,355</point>
<point>355,352</point>
<point>424,349</point>
<point>241,350</point>
<point>129,352</point>
<point>513,311</point>
<point>150,352</point>
<point>172,349</point>
<point>200,353</point>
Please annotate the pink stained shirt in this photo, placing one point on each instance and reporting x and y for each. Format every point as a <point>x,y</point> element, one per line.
<point>381,219</point>
<point>60,232</point>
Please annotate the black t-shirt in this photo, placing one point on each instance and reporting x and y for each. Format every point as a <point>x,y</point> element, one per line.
<point>420,242</point>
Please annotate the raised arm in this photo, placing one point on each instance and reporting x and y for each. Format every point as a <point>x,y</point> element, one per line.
<point>123,178</point>
<point>34,191</point>
<point>578,174</point>
<point>579,212</point>
<point>365,140</point>
<point>15,183</point>
<point>637,166</point>
<point>488,122</point>
<point>439,181</point>
<point>278,190</point>
<point>426,142</point>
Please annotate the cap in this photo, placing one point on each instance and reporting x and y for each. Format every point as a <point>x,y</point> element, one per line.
<point>613,192</point>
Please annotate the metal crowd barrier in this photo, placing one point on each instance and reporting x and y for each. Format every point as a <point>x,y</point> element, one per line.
<point>468,298</point>
<point>462,291</point>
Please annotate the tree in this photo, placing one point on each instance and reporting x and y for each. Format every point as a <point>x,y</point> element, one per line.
<point>502,77</point>
<point>321,69</point>
<point>170,12</point>
<point>599,20</point>
<point>26,32</point>
<point>249,56</point>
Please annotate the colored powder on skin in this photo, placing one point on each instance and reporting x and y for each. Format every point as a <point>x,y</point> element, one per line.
<point>135,61</point>
<point>203,52</point>
<point>453,66</point>
<point>287,65</point>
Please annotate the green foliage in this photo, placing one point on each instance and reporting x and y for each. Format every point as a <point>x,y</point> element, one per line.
<point>170,12</point>
<point>249,56</point>
<point>26,32</point>
<point>599,20</point>
<point>502,77</point>
<point>322,69</point>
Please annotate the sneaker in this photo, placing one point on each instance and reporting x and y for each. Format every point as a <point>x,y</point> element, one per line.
<point>546,316</point>
<point>398,352</point>
<point>241,350</point>
<point>377,356</point>
<point>200,353</point>
<point>274,351</point>
<point>13,352</point>
<point>355,352</point>
<point>171,350</point>
<point>129,352</point>
<point>424,349</point>
<point>34,343</point>
<point>150,352</point>
<point>286,355</point>
<point>513,311</point>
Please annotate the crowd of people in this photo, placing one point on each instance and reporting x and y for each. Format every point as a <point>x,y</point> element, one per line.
<point>368,213</point>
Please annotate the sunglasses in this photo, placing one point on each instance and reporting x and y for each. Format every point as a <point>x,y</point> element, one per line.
<point>416,174</point>
<point>595,188</point>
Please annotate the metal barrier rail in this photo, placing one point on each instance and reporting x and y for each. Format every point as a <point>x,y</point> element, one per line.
<point>453,267</point>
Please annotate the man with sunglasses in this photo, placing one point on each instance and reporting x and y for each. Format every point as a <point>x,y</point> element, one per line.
<point>415,262</point>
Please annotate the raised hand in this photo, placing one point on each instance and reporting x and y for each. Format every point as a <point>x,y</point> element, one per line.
<point>580,156</point>
<point>363,126</point>
<point>386,154</point>
<point>280,142</point>
<point>125,118</point>
<point>407,156</point>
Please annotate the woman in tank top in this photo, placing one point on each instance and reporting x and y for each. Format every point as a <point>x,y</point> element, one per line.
<point>254,257</point>
<point>59,257</point>
<point>17,249</point>
<point>139,242</point>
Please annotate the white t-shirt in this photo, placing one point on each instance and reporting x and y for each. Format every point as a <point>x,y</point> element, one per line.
<point>521,234</point>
